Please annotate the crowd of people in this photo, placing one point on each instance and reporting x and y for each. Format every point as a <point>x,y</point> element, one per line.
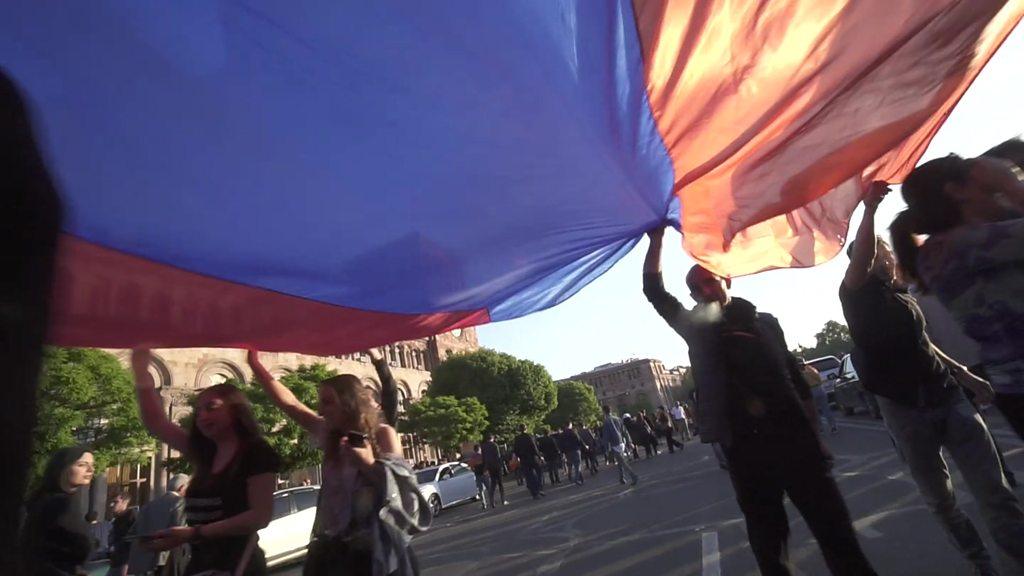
<point>960,241</point>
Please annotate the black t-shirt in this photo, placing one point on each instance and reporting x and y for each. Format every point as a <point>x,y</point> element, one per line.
<point>221,496</point>
<point>892,353</point>
<point>55,537</point>
<point>118,530</point>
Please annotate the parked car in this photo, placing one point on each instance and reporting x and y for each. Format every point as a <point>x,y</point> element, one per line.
<point>446,485</point>
<point>828,367</point>
<point>286,537</point>
<point>851,397</point>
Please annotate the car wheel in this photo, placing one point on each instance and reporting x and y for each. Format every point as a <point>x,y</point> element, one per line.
<point>435,504</point>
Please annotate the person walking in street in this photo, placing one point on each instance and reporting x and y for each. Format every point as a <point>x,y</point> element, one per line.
<point>648,423</point>
<point>920,395</point>
<point>612,433</point>
<point>679,421</point>
<point>590,449</point>
<point>231,495</point>
<point>494,466</point>
<point>754,401</point>
<point>165,511</point>
<point>525,449</point>
<point>664,426</point>
<point>640,435</point>
<point>572,447</point>
<point>476,463</point>
<point>123,518</point>
<point>363,461</point>
<point>55,538</point>
<point>816,383</point>
<point>552,456</point>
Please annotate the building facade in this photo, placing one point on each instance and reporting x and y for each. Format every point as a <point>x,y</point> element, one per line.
<point>633,384</point>
<point>180,372</point>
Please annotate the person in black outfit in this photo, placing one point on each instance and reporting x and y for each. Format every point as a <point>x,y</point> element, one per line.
<point>55,538</point>
<point>590,448</point>
<point>552,456</point>
<point>572,447</point>
<point>754,401</point>
<point>525,448</point>
<point>493,466</point>
<point>231,495</point>
<point>124,518</point>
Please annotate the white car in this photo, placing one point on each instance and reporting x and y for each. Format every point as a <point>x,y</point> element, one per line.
<point>447,485</point>
<point>286,537</point>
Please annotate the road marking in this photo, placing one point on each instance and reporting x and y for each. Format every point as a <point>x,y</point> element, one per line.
<point>710,556</point>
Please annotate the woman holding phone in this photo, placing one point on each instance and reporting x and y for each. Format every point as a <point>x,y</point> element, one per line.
<point>231,494</point>
<point>362,457</point>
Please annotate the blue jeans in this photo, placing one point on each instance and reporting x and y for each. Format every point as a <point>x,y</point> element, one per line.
<point>920,434</point>
<point>821,402</point>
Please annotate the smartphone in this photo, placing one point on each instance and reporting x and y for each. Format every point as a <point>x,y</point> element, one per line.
<point>356,439</point>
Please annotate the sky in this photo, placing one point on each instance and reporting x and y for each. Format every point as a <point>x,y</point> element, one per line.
<point>610,320</point>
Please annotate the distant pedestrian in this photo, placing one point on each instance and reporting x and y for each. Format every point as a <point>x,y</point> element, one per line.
<point>647,422</point>
<point>123,520</point>
<point>679,421</point>
<point>639,435</point>
<point>525,449</point>
<point>590,448</point>
<point>55,538</point>
<point>494,466</point>
<point>476,463</point>
<point>166,511</point>
<point>817,385</point>
<point>552,456</point>
<point>612,433</point>
<point>572,447</point>
<point>664,427</point>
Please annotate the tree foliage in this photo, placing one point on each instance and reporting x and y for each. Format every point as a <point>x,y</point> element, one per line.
<point>576,402</point>
<point>87,397</point>
<point>446,421</point>
<point>514,391</point>
<point>833,340</point>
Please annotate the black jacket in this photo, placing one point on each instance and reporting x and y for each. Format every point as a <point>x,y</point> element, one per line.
<point>525,448</point>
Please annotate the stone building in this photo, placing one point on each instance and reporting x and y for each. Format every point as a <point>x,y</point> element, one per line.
<point>632,384</point>
<point>180,372</point>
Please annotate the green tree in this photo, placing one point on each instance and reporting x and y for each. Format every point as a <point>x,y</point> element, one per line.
<point>289,439</point>
<point>87,397</point>
<point>514,391</point>
<point>833,340</point>
<point>576,403</point>
<point>446,421</point>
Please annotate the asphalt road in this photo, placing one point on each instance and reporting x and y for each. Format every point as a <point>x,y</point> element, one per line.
<point>683,519</point>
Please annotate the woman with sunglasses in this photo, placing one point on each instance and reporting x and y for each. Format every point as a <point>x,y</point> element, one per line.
<point>363,471</point>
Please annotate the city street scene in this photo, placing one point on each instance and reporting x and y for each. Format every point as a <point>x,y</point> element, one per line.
<point>615,287</point>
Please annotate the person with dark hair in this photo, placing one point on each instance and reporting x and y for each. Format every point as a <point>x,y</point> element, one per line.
<point>663,424</point>
<point>639,433</point>
<point>55,538</point>
<point>572,447</point>
<point>231,494</point>
<point>525,449</point>
<point>123,518</point>
<point>973,259</point>
<point>552,456</point>
<point>369,505</point>
<point>476,463</point>
<point>590,448</point>
<point>919,393</point>
<point>494,466</point>
<point>754,401</point>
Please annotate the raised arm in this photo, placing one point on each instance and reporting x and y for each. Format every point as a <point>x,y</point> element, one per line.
<point>863,257</point>
<point>388,387</point>
<point>654,288</point>
<point>284,398</point>
<point>151,407</point>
